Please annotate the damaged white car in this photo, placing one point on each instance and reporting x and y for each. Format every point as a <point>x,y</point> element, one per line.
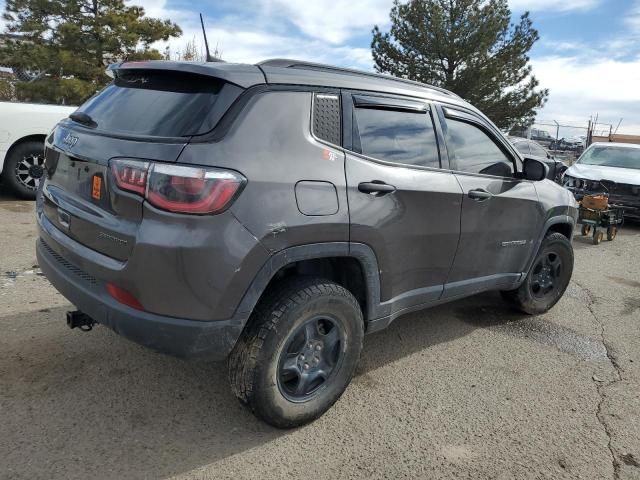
<point>612,168</point>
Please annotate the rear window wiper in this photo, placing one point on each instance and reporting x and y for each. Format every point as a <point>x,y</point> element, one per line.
<point>84,119</point>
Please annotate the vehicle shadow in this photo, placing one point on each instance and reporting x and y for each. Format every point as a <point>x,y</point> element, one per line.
<point>94,405</point>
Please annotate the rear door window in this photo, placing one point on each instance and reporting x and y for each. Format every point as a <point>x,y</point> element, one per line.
<point>396,136</point>
<point>155,103</point>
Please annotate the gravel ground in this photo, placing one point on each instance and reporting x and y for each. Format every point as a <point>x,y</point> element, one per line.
<point>466,390</point>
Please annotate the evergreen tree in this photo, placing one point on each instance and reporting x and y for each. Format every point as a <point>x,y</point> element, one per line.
<point>67,44</point>
<point>469,47</point>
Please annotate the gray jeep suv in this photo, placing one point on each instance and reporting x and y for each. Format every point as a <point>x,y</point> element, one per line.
<point>273,214</point>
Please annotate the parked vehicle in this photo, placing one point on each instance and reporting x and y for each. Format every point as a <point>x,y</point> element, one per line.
<point>611,168</point>
<point>529,148</point>
<point>275,213</point>
<point>23,128</point>
<point>567,144</point>
<point>535,134</point>
<point>541,136</point>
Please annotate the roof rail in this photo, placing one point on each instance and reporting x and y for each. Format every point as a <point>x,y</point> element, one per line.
<point>288,63</point>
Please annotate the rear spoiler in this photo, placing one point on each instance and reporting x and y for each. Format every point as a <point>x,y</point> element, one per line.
<point>242,75</point>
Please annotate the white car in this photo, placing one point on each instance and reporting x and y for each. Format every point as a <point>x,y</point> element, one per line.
<point>612,168</point>
<point>23,129</point>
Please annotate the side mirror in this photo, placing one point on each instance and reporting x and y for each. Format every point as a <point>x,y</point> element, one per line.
<point>533,169</point>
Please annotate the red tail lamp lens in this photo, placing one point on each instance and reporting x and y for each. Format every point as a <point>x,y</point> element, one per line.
<point>178,188</point>
<point>130,175</point>
<point>123,297</point>
<point>192,190</point>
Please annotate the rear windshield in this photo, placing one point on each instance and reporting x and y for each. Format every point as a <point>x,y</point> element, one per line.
<point>160,104</point>
<point>620,157</point>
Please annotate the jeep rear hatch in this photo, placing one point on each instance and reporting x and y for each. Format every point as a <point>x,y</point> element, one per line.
<point>144,118</point>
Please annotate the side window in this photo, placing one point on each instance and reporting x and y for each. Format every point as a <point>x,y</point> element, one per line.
<point>472,150</point>
<point>522,147</point>
<point>397,136</point>
<point>537,150</point>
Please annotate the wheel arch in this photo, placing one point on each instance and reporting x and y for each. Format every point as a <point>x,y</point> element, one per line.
<point>563,228</point>
<point>354,266</point>
<point>563,224</point>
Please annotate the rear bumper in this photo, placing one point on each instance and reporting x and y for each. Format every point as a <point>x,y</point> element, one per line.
<point>183,338</point>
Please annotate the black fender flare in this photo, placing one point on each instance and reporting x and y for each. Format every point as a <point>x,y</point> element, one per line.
<point>555,220</point>
<point>359,251</point>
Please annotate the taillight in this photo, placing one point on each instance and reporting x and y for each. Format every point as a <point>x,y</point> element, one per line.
<point>130,175</point>
<point>178,188</point>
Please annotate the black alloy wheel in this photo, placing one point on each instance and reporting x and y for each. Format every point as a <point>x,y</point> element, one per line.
<point>311,356</point>
<point>548,278</point>
<point>546,274</point>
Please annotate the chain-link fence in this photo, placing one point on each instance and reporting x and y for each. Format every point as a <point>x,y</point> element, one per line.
<point>567,139</point>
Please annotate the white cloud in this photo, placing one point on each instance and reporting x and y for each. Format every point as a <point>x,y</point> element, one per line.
<point>553,5</point>
<point>249,39</point>
<point>632,18</point>
<point>581,88</point>
<point>334,21</point>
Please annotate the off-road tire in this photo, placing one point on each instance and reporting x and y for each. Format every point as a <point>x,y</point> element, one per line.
<point>15,156</point>
<point>523,298</point>
<point>254,361</point>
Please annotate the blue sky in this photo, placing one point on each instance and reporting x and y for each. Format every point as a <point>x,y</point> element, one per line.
<point>588,55</point>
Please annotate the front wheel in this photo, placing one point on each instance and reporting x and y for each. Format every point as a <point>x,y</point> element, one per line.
<point>548,278</point>
<point>298,352</point>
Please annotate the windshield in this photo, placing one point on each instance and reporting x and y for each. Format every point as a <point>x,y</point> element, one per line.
<point>162,104</point>
<point>620,157</point>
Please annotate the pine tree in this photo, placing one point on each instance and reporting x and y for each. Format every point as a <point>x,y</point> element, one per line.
<point>68,44</point>
<point>469,47</point>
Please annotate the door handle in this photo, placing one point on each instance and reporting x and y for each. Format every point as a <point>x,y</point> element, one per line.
<point>479,195</point>
<point>376,188</point>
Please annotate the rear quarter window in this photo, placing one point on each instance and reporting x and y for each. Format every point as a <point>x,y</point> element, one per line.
<point>161,104</point>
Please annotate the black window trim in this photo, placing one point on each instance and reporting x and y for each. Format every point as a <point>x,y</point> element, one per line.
<point>351,136</point>
<point>472,119</point>
<point>389,103</point>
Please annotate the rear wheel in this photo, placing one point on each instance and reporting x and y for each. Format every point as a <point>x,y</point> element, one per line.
<point>612,232</point>
<point>298,352</point>
<point>24,168</point>
<point>548,278</point>
<point>585,229</point>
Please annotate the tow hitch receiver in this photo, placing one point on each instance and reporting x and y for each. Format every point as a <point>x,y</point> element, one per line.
<point>80,320</point>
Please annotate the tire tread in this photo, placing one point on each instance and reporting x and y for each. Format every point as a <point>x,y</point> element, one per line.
<point>265,318</point>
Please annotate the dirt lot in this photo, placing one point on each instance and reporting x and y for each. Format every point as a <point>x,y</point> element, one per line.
<point>467,390</point>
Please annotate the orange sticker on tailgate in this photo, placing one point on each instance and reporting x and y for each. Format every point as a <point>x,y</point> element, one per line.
<point>96,190</point>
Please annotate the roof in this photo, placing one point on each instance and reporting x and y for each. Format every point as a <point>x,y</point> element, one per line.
<point>295,72</point>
